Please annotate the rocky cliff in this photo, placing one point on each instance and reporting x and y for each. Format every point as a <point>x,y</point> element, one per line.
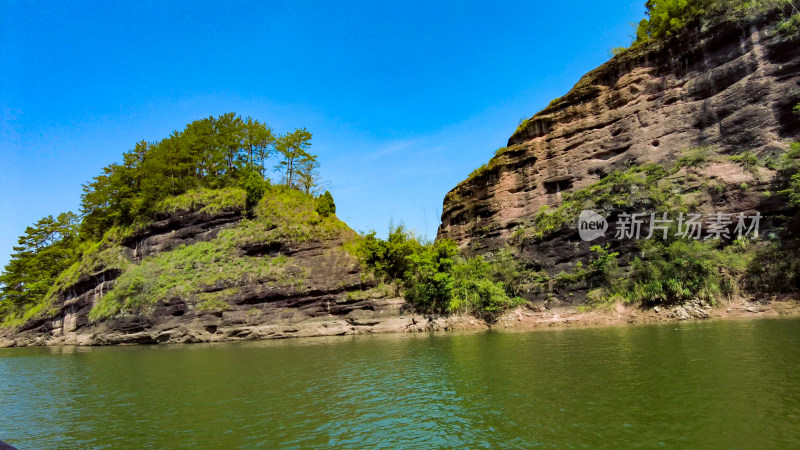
<point>728,88</point>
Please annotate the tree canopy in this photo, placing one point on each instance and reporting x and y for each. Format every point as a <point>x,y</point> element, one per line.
<point>214,152</point>
<point>46,248</point>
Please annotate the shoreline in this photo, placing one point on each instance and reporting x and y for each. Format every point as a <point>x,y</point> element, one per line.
<point>618,315</point>
<point>392,320</point>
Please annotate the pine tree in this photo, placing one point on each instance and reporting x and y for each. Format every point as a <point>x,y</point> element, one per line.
<point>293,147</point>
<point>46,249</point>
<point>307,174</point>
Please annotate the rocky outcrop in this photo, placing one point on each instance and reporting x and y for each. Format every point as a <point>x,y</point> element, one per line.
<point>731,87</point>
<point>315,302</point>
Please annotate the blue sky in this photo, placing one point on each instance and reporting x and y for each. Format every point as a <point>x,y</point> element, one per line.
<point>404,98</point>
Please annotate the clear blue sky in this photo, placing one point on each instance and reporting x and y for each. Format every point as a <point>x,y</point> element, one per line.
<point>404,98</point>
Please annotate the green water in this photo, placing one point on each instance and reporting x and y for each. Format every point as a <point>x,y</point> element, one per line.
<point>712,384</point>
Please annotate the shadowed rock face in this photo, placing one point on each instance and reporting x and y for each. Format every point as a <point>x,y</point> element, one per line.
<point>731,87</point>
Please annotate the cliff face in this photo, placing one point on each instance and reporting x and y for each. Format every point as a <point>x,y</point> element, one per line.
<point>731,87</point>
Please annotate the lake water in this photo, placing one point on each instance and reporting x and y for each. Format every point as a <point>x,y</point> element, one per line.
<point>707,384</point>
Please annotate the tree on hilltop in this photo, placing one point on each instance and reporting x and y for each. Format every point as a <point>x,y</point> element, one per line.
<point>293,147</point>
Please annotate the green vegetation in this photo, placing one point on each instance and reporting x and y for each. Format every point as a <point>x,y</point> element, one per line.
<point>213,303</point>
<point>388,259</point>
<point>382,290</point>
<point>790,171</point>
<point>790,27</point>
<point>694,157</point>
<point>679,270</point>
<point>500,151</point>
<point>476,290</point>
<point>491,164</point>
<point>650,187</point>
<point>618,51</point>
<point>749,162</point>
<point>477,172</point>
<point>667,18</point>
<point>286,215</point>
<point>297,165</point>
<point>524,123</point>
<point>676,271</point>
<point>775,266</point>
<point>209,201</point>
<point>325,205</point>
<point>254,187</point>
<point>206,273</point>
<point>435,278</point>
<point>429,278</point>
<point>45,250</point>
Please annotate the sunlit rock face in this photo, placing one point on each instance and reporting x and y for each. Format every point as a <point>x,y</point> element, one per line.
<point>730,86</point>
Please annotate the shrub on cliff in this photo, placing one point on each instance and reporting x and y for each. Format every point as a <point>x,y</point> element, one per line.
<point>325,205</point>
<point>680,270</point>
<point>775,266</point>
<point>429,279</point>
<point>388,259</point>
<point>790,170</point>
<point>254,186</point>
<point>201,273</point>
<point>693,157</point>
<point>676,270</point>
<point>666,18</point>
<point>475,290</point>
<point>688,269</point>
<point>441,281</point>
<point>790,27</point>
